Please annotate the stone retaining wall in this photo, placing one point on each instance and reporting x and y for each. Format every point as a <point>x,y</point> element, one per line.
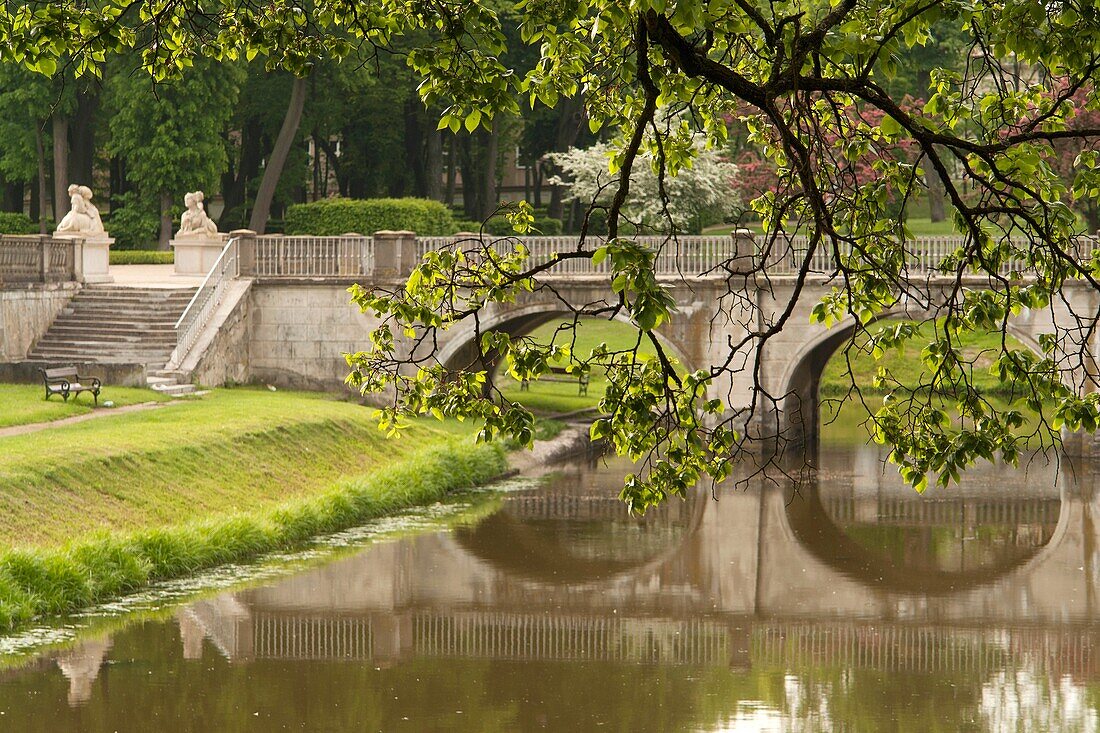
<point>26,311</point>
<point>299,333</point>
<point>112,375</point>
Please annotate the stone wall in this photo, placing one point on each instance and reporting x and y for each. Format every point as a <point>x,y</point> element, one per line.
<point>112,375</point>
<point>299,333</point>
<point>26,311</point>
<point>224,358</point>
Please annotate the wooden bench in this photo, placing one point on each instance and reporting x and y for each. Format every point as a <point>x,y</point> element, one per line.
<point>556,374</point>
<point>65,381</point>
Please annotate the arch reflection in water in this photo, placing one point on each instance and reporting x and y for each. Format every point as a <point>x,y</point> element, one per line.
<point>859,518</point>
<point>560,611</point>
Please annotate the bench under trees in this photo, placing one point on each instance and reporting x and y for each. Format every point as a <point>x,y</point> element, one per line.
<point>561,374</point>
<point>66,381</point>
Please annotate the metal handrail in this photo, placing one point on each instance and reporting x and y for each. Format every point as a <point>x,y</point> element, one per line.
<point>205,301</point>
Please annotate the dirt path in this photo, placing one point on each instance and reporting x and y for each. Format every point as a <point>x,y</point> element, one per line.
<point>101,412</point>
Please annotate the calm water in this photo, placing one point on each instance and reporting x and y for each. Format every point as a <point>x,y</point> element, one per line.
<point>851,604</point>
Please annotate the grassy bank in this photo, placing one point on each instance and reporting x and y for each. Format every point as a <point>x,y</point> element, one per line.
<point>233,450</point>
<point>22,404</point>
<point>33,583</point>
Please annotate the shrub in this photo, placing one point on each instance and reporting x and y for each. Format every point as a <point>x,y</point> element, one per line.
<point>547,226</point>
<point>17,223</point>
<point>142,257</point>
<point>335,216</point>
<point>464,225</point>
<point>132,225</point>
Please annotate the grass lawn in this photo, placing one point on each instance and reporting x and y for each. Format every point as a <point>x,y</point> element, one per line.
<point>234,450</point>
<point>22,404</point>
<point>981,349</point>
<point>558,397</point>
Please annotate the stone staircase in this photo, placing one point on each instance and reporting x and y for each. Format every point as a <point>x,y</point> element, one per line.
<point>120,325</point>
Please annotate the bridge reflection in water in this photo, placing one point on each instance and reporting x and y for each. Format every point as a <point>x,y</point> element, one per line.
<point>851,572</point>
<point>563,573</point>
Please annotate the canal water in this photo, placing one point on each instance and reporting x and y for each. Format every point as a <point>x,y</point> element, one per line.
<point>842,603</point>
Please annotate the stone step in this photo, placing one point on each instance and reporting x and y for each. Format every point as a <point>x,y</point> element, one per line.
<point>112,355</point>
<point>127,313</point>
<point>115,355</point>
<point>104,290</point>
<point>75,330</point>
<point>73,327</point>
<point>125,302</point>
<point>161,381</point>
<point>108,341</point>
<point>112,324</point>
<point>116,290</point>
<point>175,389</point>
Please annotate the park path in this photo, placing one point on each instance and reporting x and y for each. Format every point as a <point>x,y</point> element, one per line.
<point>36,426</point>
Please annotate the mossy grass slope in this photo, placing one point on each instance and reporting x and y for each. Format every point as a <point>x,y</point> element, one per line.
<point>54,581</point>
<point>233,450</point>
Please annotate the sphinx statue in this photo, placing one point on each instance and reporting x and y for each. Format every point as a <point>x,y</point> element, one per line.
<point>83,216</point>
<point>195,222</point>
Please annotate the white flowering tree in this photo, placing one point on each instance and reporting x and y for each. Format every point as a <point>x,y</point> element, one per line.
<point>701,193</point>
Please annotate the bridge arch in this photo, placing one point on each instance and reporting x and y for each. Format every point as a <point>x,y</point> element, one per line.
<point>800,380</point>
<point>460,348</point>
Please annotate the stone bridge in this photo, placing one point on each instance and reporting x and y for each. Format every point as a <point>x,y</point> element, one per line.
<point>276,311</point>
<point>752,578</point>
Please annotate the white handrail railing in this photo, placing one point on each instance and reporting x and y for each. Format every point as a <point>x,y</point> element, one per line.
<point>205,301</point>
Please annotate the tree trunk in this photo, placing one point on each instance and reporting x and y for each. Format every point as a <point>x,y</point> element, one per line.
<point>565,137</point>
<point>332,159</point>
<point>261,210</point>
<point>452,182</point>
<point>117,183</point>
<point>82,128</point>
<point>414,147</point>
<point>236,180</point>
<point>471,206</point>
<point>434,164</point>
<point>935,195</point>
<point>38,196</point>
<point>316,164</point>
<point>165,221</point>
<point>537,184</point>
<point>61,166</point>
<point>12,199</point>
<point>490,197</point>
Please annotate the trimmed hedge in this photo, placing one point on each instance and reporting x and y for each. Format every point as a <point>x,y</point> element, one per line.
<point>499,226</point>
<point>332,217</point>
<point>142,257</point>
<point>35,583</point>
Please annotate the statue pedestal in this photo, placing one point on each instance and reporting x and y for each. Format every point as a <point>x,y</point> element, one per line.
<point>196,255</point>
<point>95,256</point>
